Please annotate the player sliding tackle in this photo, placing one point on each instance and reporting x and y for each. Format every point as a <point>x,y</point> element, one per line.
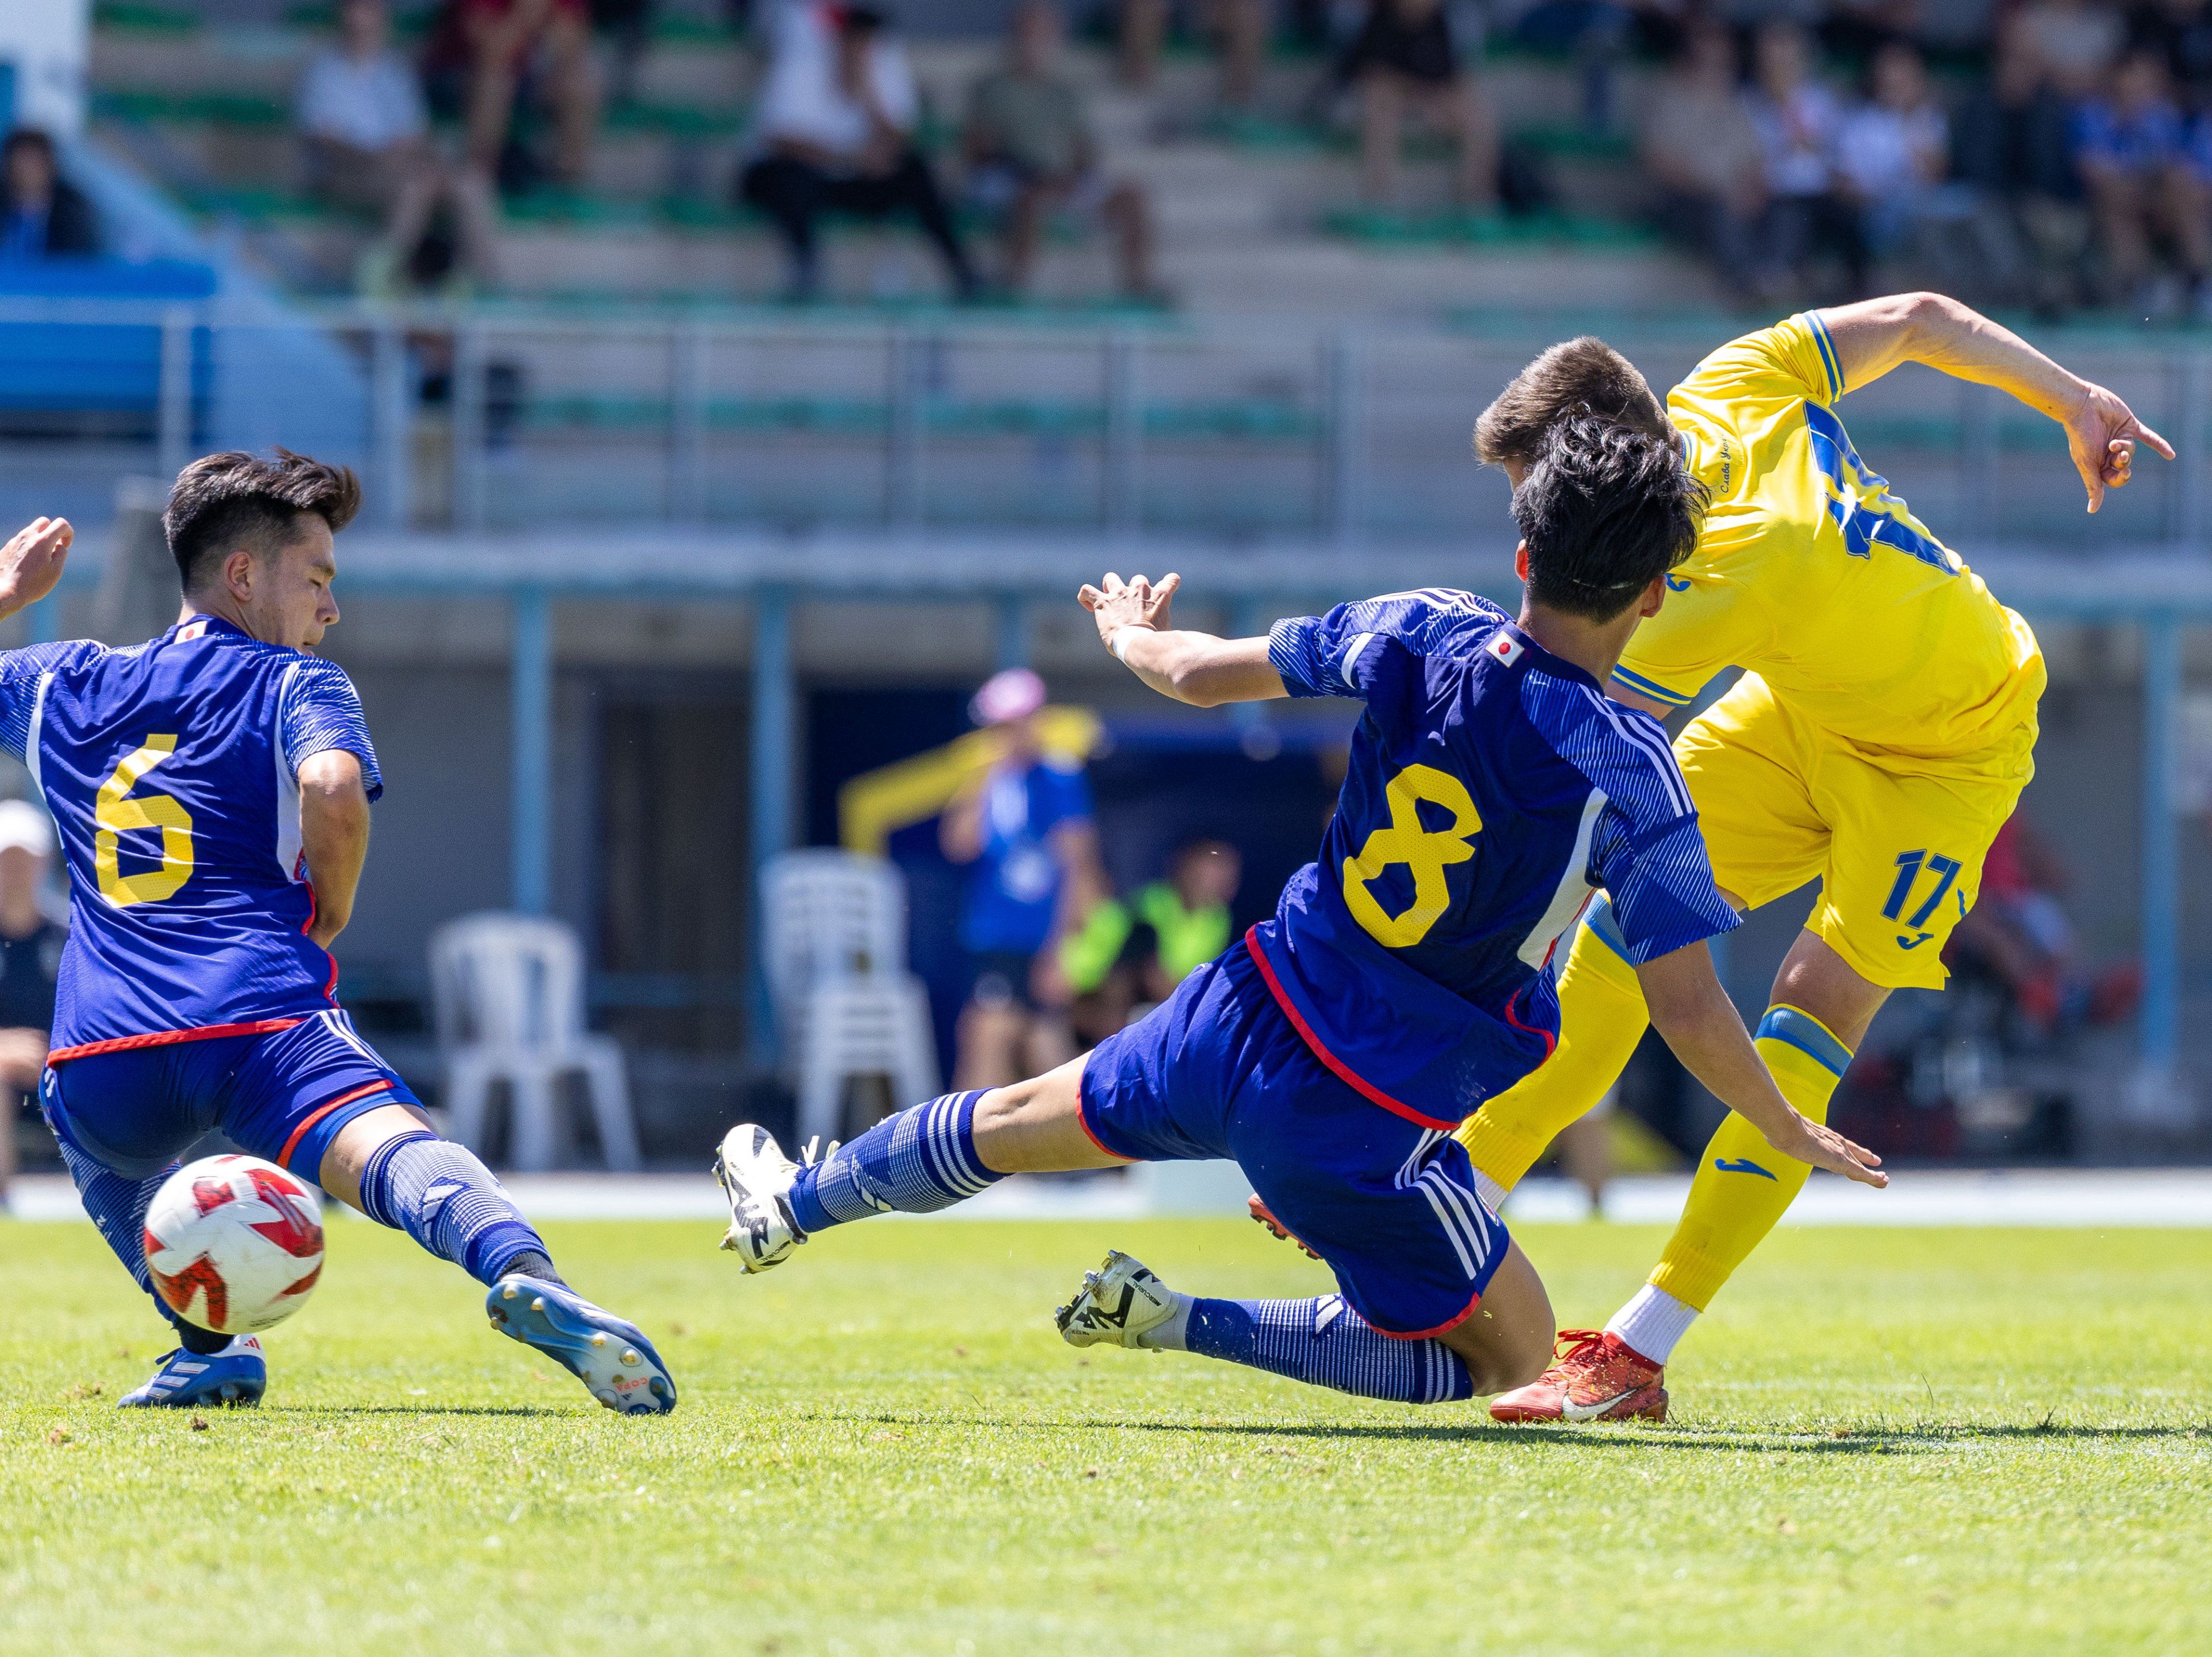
<point>1406,976</point>
<point>212,789</point>
<point>1878,740</point>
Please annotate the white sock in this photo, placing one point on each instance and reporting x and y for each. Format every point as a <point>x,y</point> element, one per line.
<point>1493,1194</point>
<point>1168,1336</point>
<point>1652,1322</point>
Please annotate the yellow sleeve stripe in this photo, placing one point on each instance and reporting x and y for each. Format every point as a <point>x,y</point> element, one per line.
<point>1828,359</point>
<point>1653,689</point>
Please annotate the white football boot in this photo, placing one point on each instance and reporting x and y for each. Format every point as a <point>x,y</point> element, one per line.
<point>755,1176</point>
<point>1118,1303</point>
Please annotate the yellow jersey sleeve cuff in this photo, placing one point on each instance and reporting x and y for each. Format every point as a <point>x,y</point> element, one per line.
<point>1653,689</point>
<point>1831,364</point>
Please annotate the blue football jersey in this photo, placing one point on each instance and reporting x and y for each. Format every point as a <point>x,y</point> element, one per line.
<point>172,771</point>
<point>1492,789</point>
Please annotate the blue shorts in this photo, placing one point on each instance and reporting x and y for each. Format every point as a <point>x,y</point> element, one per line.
<point>1217,1070</point>
<point>282,1096</point>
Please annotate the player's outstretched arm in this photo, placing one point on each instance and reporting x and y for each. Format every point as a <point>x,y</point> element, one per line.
<point>1693,1013</point>
<point>334,834</point>
<point>31,563</point>
<point>1196,668</point>
<point>1877,335</point>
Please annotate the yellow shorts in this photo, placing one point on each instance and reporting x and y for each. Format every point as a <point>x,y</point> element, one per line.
<point>1897,842</point>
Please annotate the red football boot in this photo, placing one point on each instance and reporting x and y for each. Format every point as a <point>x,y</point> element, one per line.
<point>1262,1217</point>
<point>1593,1377</point>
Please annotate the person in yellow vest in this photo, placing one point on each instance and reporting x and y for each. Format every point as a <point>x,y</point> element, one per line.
<point>1162,934</point>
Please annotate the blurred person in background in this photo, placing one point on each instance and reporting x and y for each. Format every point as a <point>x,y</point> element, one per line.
<point>365,128</point>
<point>1030,151</point>
<point>1025,831</point>
<point>2077,42</point>
<point>834,128</point>
<point>484,56</point>
<point>2013,144</point>
<point>2180,32</point>
<point>1797,119</point>
<point>1598,35</point>
<point>1893,150</point>
<point>30,961</point>
<point>1699,147</point>
<point>1406,61</point>
<point>2128,145</point>
<point>1135,954</point>
<point>42,215</point>
<point>1237,29</point>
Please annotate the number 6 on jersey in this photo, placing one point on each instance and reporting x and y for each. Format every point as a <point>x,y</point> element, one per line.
<point>115,814</point>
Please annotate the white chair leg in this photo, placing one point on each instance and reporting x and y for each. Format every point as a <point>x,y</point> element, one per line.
<point>536,1132</point>
<point>821,1095</point>
<point>611,1107</point>
<point>468,1098</point>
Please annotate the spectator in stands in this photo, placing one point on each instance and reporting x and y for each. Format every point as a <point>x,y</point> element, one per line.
<point>366,131</point>
<point>1238,29</point>
<point>2128,145</point>
<point>1893,150</point>
<point>30,960</point>
<point>42,215</point>
<point>1700,148</point>
<point>1855,30</point>
<point>1024,829</point>
<point>1797,119</point>
<point>834,131</point>
<point>1598,35</point>
<point>2013,146</point>
<point>2180,32</point>
<point>1030,151</point>
<point>1406,60</point>
<point>484,56</point>
<point>2077,42</point>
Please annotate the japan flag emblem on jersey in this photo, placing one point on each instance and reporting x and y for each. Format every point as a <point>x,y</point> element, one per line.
<point>1506,648</point>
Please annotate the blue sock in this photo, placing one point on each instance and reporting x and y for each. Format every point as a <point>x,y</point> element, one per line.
<point>915,1162</point>
<point>1324,1342</point>
<point>441,1195</point>
<point>117,1205</point>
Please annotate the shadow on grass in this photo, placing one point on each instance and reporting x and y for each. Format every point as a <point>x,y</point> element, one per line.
<point>1599,1438</point>
<point>522,1410</point>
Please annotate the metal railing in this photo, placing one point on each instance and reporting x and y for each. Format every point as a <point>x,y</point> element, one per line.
<point>491,419</point>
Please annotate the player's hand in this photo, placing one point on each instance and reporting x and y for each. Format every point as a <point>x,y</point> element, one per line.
<point>1134,603</point>
<point>1816,1142</point>
<point>31,563</point>
<point>2101,434</point>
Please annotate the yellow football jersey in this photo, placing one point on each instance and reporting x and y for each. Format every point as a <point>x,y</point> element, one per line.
<point>1810,572</point>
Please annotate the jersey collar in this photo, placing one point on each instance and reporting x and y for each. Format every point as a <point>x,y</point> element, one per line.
<point>202,626</point>
<point>1510,645</point>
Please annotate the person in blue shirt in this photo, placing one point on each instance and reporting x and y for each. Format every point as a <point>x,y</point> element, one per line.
<point>1406,976</point>
<point>1023,828</point>
<point>210,790</point>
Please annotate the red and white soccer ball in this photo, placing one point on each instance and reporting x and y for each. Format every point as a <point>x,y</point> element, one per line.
<point>234,1243</point>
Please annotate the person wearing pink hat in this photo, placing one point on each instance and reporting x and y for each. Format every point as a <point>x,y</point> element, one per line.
<point>1025,831</point>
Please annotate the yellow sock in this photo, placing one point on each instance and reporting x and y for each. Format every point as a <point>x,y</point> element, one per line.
<point>1602,1018</point>
<point>1742,1186</point>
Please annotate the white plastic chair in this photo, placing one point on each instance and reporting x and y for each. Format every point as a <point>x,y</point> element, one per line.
<point>826,914</point>
<point>508,992</point>
<point>878,1025</point>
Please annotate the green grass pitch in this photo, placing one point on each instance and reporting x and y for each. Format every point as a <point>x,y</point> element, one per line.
<point>1954,1441</point>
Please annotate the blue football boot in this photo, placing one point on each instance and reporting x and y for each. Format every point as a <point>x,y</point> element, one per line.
<point>189,1381</point>
<point>613,1359</point>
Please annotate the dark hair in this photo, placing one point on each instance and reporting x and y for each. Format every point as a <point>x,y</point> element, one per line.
<point>28,138</point>
<point>223,502</point>
<point>1604,510</point>
<point>1577,376</point>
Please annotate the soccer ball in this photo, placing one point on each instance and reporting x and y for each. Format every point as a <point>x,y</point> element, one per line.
<point>233,1244</point>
